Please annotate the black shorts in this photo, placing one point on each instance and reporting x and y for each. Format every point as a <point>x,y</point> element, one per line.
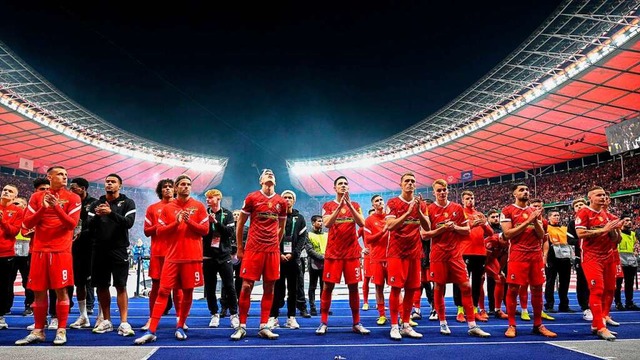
<point>104,266</point>
<point>82,254</point>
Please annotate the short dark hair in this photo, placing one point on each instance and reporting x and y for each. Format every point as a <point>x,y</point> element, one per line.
<point>115,176</point>
<point>536,200</point>
<point>375,196</point>
<point>338,178</point>
<point>82,182</point>
<point>55,167</point>
<point>40,181</point>
<point>315,217</point>
<point>492,211</point>
<point>515,186</point>
<point>161,185</point>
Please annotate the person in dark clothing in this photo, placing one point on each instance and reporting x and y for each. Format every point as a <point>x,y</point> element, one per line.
<point>217,259</point>
<point>237,282</point>
<point>295,235</point>
<point>109,221</point>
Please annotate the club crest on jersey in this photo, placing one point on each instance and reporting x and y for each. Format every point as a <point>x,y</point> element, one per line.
<point>343,211</point>
<point>445,214</point>
<point>431,274</point>
<point>278,207</point>
<point>328,275</point>
<point>393,279</point>
<point>244,271</point>
<point>578,221</point>
<point>513,276</point>
<point>593,282</point>
<point>120,203</point>
<point>191,210</point>
<point>525,215</point>
<point>600,218</point>
<point>454,214</point>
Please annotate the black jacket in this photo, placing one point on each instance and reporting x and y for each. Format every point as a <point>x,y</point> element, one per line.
<point>84,237</point>
<point>111,233</point>
<point>224,229</point>
<point>295,231</point>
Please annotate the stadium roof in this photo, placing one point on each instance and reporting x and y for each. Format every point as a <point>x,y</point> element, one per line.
<point>547,102</point>
<point>41,127</point>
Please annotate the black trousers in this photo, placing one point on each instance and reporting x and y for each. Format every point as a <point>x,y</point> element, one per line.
<point>315,276</point>
<point>6,284</point>
<point>428,291</point>
<point>560,269</point>
<point>582,288</point>
<point>22,264</point>
<point>629,276</point>
<point>475,268</point>
<point>288,283</point>
<point>301,301</point>
<point>211,268</point>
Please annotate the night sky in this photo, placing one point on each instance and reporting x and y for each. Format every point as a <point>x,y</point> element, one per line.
<point>261,83</point>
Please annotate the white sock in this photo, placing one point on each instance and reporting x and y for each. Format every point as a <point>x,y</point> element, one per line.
<point>82,306</point>
<point>472,324</point>
<point>443,322</point>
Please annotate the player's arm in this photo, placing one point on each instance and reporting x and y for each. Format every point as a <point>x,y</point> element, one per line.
<point>34,212</point>
<point>357,214</point>
<point>150,223</point>
<point>282,222</point>
<point>438,230</point>
<point>545,251</point>
<point>302,237</point>
<point>537,226</point>
<point>68,219</point>
<point>11,226</point>
<point>370,238</point>
<point>509,232</point>
<point>167,223</point>
<point>129,218</point>
<point>199,225</point>
<point>462,229</point>
<point>585,233</point>
<point>329,220</point>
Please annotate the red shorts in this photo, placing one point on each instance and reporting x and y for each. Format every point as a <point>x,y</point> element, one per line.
<point>378,272</point>
<point>334,268</point>
<point>182,275</point>
<point>403,273</point>
<point>526,272</point>
<point>452,271</point>
<point>155,267</point>
<point>600,274</point>
<point>366,267</point>
<point>425,275</point>
<point>619,273</point>
<point>260,264</point>
<point>50,271</point>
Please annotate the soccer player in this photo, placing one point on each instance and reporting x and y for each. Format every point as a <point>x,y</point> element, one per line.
<point>267,212</point>
<point>109,220</point>
<point>341,216</point>
<point>609,294</point>
<point>81,251</point>
<point>295,237</point>
<point>22,261</point>
<point>496,266</point>
<point>54,214</point>
<point>582,288</point>
<point>597,232</point>
<point>406,214</point>
<point>522,227</point>
<point>376,238</point>
<point>474,254</point>
<point>217,259</point>
<point>184,222</point>
<point>449,227</point>
<point>10,223</point>
<point>165,191</point>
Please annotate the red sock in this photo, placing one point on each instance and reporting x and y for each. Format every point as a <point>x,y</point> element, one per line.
<point>62,313</point>
<point>467,303</point>
<point>407,304</point>
<point>40,309</point>
<point>438,301</point>
<point>394,304</point>
<point>354,304</point>
<point>524,296</point>
<point>178,297</point>
<point>381,311</point>
<point>512,299</point>
<point>158,308</point>
<point>536,304</point>
<point>153,295</point>
<point>595,303</point>
<point>417,294</point>
<point>325,305</point>
<point>186,300</point>
<point>244,302</point>
<point>365,290</point>
<point>265,307</point>
<point>608,300</point>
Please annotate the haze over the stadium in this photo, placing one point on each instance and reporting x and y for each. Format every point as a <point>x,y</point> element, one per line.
<point>264,82</point>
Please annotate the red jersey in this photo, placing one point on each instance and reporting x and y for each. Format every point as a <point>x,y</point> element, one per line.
<point>342,242</point>
<point>448,244</point>
<point>404,241</point>
<point>373,225</point>
<point>53,225</point>
<point>526,245</point>
<point>598,249</point>
<point>9,228</point>
<point>265,213</point>
<point>159,243</point>
<point>475,245</point>
<point>614,246</point>
<point>185,238</point>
